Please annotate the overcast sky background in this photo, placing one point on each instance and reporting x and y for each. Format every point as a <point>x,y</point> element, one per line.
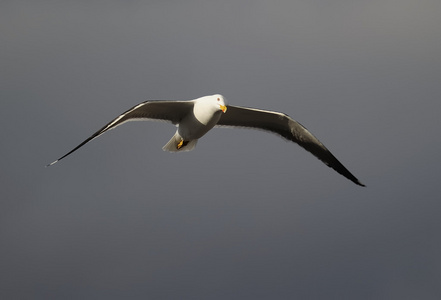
<point>246,215</point>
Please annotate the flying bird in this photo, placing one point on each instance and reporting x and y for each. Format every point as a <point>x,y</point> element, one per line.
<point>194,118</point>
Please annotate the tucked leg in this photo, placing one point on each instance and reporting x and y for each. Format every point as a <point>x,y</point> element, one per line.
<point>181,144</point>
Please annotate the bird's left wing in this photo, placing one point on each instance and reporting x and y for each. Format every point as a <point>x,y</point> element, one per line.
<point>171,111</point>
<point>286,127</point>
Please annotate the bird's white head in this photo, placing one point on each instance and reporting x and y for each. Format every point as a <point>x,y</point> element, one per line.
<point>219,102</point>
<point>205,108</point>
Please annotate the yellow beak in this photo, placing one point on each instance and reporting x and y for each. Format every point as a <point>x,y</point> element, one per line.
<point>223,108</point>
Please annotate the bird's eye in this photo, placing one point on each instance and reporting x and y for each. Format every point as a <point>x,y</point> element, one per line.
<point>218,99</point>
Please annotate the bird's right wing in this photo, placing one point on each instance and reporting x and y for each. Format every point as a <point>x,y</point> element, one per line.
<point>171,111</point>
<point>286,127</point>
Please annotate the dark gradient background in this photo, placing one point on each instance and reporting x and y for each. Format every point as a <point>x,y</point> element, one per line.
<point>246,215</point>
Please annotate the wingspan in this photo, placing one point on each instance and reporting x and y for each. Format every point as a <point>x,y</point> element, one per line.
<point>286,127</point>
<point>171,111</point>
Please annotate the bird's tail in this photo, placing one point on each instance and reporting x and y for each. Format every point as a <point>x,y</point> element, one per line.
<point>173,144</point>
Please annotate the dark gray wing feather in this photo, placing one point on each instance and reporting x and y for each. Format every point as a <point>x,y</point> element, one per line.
<point>286,127</point>
<point>172,111</point>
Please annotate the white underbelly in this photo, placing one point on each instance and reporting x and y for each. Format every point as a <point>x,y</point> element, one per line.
<point>191,129</point>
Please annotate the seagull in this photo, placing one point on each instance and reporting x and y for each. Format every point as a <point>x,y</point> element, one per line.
<point>194,118</point>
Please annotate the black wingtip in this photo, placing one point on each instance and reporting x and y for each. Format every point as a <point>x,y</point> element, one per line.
<point>360,184</point>
<point>52,163</point>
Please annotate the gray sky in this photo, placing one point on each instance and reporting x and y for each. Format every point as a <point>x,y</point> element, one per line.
<point>246,215</point>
